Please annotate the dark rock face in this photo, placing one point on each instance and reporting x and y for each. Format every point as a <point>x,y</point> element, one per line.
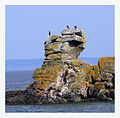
<point>63,78</point>
<point>20,97</point>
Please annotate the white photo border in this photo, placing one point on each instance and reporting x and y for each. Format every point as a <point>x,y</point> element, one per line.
<point>3,3</point>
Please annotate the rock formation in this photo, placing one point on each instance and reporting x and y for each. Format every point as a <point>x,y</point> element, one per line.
<point>63,78</point>
<point>67,47</point>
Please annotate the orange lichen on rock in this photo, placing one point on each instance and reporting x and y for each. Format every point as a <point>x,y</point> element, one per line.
<point>47,76</point>
<point>99,85</point>
<point>107,64</point>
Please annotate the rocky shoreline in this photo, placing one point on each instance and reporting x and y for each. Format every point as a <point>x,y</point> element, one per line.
<point>24,98</point>
<point>63,78</point>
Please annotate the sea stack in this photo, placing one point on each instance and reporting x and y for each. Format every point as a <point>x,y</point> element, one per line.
<point>64,78</point>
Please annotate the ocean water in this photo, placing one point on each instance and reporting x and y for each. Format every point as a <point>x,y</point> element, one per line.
<point>19,74</point>
<point>83,107</point>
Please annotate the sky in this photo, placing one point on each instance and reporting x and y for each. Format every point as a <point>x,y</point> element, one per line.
<point>27,27</point>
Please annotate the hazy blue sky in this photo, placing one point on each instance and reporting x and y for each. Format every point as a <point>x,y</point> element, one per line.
<point>27,28</point>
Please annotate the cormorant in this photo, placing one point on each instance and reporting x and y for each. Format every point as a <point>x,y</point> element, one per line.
<point>49,33</point>
<point>75,27</point>
<point>67,26</point>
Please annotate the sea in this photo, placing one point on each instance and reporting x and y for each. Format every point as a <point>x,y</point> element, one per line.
<point>18,75</point>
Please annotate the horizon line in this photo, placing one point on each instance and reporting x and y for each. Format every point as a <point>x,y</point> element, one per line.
<point>44,58</point>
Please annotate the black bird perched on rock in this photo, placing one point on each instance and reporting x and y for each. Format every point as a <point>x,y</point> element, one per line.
<point>49,33</point>
<point>75,27</point>
<point>67,26</point>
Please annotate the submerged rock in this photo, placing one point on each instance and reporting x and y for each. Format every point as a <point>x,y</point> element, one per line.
<point>63,78</point>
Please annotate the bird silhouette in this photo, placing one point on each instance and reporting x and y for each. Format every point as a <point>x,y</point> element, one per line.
<point>49,33</point>
<point>75,27</point>
<point>67,26</point>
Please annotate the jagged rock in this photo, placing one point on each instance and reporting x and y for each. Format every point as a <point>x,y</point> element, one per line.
<point>63,78</point>
<point>107,71</point>
<point>106,64</point>
<point>67,47</point>
<point>106,94</point>
<point>20,97</point>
